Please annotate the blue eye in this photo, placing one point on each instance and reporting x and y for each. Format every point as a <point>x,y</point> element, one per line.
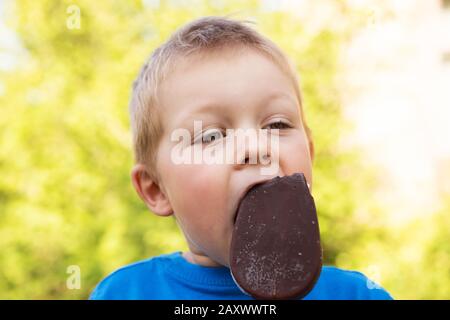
<point>279,125</point>
<point>210,136</point>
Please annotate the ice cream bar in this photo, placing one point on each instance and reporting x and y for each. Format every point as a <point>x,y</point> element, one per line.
<point>275,248</point>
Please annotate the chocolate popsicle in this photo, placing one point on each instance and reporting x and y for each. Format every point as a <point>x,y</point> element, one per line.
<point>275,248</point>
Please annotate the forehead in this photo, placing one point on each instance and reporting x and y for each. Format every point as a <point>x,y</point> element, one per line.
<point>242,79</point>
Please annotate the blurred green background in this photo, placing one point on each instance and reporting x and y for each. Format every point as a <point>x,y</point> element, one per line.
<point>65,151</point>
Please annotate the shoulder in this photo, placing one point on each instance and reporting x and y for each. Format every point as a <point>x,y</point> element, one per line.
<point>127,280</point>
<point>335,283</point>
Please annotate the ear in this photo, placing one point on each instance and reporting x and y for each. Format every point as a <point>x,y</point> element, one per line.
<point>150,191</point>
<point>311,150</point>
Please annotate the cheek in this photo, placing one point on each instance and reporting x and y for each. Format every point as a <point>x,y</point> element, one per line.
<point>294,155</point>
<point>196,191</point>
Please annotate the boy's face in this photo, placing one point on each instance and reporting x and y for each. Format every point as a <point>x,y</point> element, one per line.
<point>224,91</point>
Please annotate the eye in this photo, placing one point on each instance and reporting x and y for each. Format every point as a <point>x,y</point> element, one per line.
<point>279,124</point>
<point>210,136</point>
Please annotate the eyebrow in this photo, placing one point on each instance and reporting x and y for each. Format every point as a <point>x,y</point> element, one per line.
<point>220,108</point>
<point>271,97</point>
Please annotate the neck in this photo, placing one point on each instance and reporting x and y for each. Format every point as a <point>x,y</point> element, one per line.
<point>200,259</point>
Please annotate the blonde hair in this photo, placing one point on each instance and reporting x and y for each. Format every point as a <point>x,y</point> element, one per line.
<point>201,36</point>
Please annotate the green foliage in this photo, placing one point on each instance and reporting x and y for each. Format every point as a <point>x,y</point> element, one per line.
<point>65,152</point>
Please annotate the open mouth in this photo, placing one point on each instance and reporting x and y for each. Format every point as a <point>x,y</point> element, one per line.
<point>236,212</point>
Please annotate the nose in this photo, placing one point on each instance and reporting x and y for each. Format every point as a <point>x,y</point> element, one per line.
<point>255,150</point>
<point>251,157</point>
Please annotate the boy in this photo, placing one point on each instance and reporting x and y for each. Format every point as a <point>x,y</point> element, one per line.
<point>223,74</point>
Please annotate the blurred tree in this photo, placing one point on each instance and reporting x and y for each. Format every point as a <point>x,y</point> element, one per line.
<point>65,154</point>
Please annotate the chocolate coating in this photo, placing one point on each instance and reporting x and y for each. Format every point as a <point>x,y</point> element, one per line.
<point>275,248</point>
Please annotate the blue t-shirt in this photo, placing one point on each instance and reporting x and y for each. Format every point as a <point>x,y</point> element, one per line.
<point>171,276</point>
